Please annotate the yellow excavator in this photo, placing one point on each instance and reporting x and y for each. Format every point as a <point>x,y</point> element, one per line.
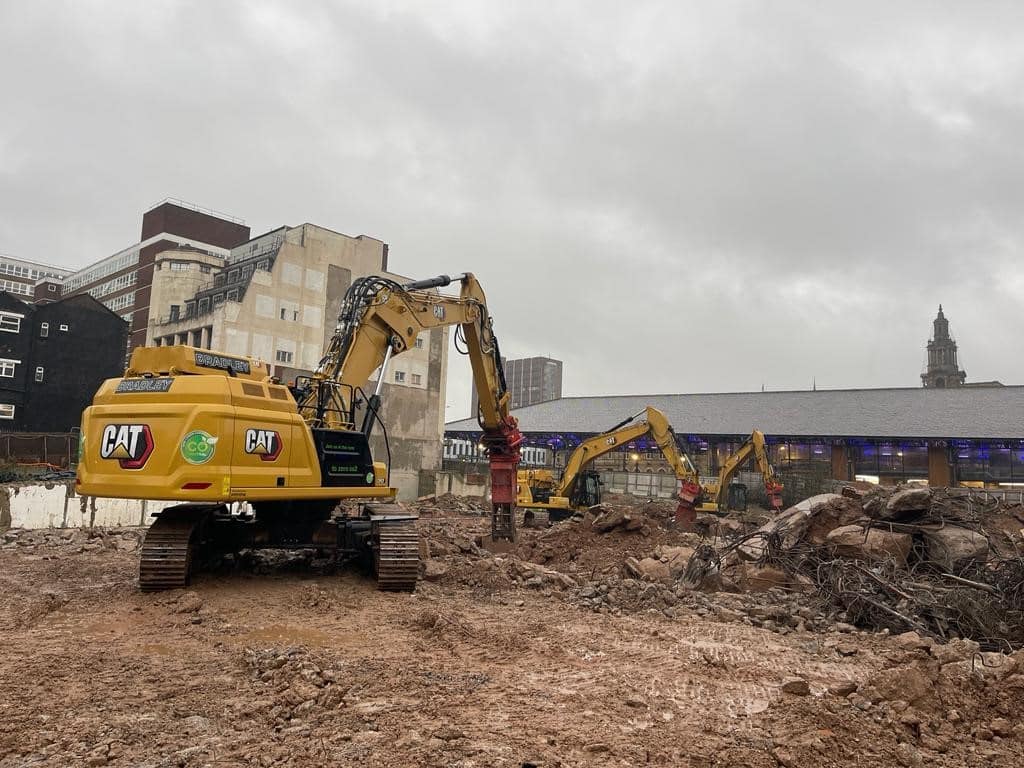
<point>715,496</point>
<point>210,429</point>
<point>580,487</point>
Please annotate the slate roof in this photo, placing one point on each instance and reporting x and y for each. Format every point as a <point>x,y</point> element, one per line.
<point>971,413</point>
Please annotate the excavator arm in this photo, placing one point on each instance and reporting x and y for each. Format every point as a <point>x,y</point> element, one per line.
<point>598,446</point>
<point>381,318</point>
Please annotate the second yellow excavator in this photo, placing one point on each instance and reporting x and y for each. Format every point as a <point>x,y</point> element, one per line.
<point>715,496</point>
<point>580,487</point>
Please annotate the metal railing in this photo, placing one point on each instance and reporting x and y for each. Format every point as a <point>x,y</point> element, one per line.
<point>57,449</point>
<point>197,209</point>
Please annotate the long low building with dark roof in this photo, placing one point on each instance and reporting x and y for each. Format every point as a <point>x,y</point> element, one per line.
<point>972,436</point>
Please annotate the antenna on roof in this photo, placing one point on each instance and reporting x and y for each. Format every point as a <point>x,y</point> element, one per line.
<point>762,386</point>
<point>814,384</point>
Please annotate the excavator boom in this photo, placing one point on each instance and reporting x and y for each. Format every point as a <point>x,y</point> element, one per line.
<point>380,319</point>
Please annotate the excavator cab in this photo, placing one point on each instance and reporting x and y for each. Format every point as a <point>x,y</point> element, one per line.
<point>587,491</point>
<point>736,498</point>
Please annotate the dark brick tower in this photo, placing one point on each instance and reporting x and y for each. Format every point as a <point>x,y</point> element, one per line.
<point>943,371</point>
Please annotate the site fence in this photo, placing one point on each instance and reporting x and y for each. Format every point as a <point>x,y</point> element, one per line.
<point>57,450</point>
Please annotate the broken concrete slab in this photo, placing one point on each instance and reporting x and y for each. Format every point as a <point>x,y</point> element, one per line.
<point>854,541</point>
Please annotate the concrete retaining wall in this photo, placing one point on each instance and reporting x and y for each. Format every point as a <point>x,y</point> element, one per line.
<point>55,505</point>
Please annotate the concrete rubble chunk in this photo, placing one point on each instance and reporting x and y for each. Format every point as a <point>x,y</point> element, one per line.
<point>434,570</point>
<point>649,569</point>
<point>608,519</point>
<point>796,686</point>
<point>912,641</point>
<point>952,546</point>
<point>873,544</point>
<point>754,578</point>
<point>791,524</point>
<point>907,503</point>
<point>911,683</point>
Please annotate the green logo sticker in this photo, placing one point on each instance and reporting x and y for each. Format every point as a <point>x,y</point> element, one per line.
<point>369,478</point>
<point>198,447</point>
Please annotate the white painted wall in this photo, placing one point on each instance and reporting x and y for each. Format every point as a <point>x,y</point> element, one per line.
<point>55,505</point>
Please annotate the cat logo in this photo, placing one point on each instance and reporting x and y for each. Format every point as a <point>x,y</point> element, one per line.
<point>265,443</point>
<point>130,444</point>
<point>439,312</point>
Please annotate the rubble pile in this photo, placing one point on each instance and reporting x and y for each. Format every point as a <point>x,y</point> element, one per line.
<point>940,562</point>
<point>73,540</point>
<point>448,504</point>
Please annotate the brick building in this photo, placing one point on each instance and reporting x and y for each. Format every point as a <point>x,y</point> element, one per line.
<point>123,281</point>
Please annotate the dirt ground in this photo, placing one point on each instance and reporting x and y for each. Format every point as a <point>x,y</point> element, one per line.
<point>305,669</point>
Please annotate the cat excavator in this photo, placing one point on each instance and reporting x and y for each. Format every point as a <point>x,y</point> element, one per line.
<point>209,429</point>
<point>715,497</point>
<point>580,487</point>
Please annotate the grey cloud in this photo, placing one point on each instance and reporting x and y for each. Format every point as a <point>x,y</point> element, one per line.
<point>669,196</point>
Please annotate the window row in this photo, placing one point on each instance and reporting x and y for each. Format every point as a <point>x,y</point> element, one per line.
<point>10,322</point>
<point>120,302</point>
<point>22,289</point>
<point>414,378</point>
<point>113,264</point>
<point>117,284</point>
<point>17,270</point>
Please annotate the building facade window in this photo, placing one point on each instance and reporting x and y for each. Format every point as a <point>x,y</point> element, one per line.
<point>175,312</point>
<point>282,356</point>
<point>7,368</point>
<point>12,287</point>
<point>10,322</point>
<point>416,379</point>
<point>44,330</point>
<point>40,371</point>
<point>419,342</point>
<point>233,294</point>
<point>51,288</point>
<point>6,411</point>
<point>400,377</point>
<point>64,327</point>
<point>120,302</point>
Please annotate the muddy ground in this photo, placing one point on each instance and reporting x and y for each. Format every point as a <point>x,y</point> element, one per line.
<point>485,665</point>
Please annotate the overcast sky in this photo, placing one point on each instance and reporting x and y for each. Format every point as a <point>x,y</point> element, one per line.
<point>670,197</point>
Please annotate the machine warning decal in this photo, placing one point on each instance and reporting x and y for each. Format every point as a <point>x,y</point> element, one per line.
<point>144,385</point>
<point>222,362</point>
<point>198,447</point>
<point>130,444</point>
<point>265,443</point>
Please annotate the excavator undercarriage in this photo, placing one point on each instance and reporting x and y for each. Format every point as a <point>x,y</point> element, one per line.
<point>188,537</point>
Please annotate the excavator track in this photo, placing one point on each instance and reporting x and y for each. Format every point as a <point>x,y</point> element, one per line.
<point>167,550</point>
<point>398,556</point>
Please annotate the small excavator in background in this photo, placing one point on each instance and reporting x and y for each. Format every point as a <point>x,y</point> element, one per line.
<point>211,429</point>
<point>580,487</point>
<point>716,494</point>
